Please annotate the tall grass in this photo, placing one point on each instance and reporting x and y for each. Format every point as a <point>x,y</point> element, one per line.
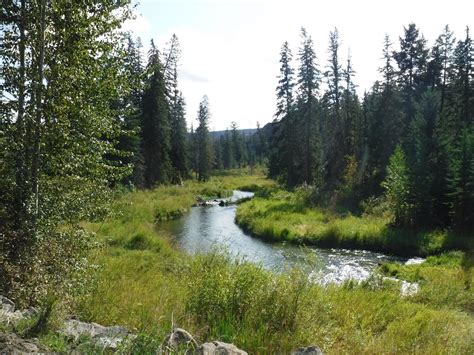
<point>282,216</point>
<point>146,285</point>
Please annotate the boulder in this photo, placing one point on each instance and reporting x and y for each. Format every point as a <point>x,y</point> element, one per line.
<point>310,350</point>
<point>105,337</point>
<point>13,344</point>
<point>219,348</point>
<point>6,304</point>
<point>179,339</point>
<point>9,315</point>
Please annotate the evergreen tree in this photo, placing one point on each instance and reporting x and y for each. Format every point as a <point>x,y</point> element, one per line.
<point>237,145</point>
<point>461,182</point>
<point>156,123</point>
<point>204,153</point>
<point>129,143</point>
<point>178,154</point>
<point>445,45</point>
<point>308,85</point>
<point>398,187</point>
<point>228,151</point>
<point>412,60</point>
<point>463,83</point>
<point>337,148</point>
<point>282,159</point>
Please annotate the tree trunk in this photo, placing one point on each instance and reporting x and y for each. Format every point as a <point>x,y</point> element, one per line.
<point>35,166</point>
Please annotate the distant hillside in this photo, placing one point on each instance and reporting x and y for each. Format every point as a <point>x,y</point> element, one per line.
<point>245,132</point>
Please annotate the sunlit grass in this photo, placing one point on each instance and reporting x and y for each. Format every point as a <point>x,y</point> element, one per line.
<point>283,217</point>
<point>146,285</point>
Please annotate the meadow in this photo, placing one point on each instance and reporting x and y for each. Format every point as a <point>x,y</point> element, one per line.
<point>281,215</point>
<point>146,285</point>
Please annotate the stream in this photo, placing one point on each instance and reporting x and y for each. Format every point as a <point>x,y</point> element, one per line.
<point>209,228</point>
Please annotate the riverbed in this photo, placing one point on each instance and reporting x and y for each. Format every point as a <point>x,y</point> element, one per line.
<point>210,228</point>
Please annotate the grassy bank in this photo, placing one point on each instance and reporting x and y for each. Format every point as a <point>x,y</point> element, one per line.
<point>146,285</point>
<point>283,216</point>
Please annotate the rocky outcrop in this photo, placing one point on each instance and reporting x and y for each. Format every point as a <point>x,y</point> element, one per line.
<point>104,337</point>
<point>112,337</point>
<point>219,348</point>
<point>13,344</point>
<point>310,350</point>
<point>9,315</point>
<point>179,339</point>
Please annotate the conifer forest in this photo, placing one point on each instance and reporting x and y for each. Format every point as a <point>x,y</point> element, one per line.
<point>111,185</point>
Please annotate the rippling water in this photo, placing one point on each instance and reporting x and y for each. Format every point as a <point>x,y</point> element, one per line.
<point>207,228</point>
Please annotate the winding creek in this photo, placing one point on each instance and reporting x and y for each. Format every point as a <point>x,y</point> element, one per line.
<point>207,228</point>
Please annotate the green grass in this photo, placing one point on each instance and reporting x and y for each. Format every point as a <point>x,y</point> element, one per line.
<point>282,216</point>
<point>446,279</point>
<point>146,285</point>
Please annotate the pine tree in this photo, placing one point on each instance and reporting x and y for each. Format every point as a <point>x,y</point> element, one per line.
<point>397,187</point>
<point>461,182</point>
<point>336,152</point>
<point>463,84</point>
<point>228,151</point>
<point>204,154</point>
<point>178,155</point>
<point>237,144</point>
<point>445,46</point>
<point>284,151</point>
<point>308,85</point>
<point>129,143</point>
<point>156,123</point>
<point>412,61</point>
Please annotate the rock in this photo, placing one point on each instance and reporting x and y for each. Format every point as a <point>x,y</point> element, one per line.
<point>9,315</point>
<point>178,339</point>
<point>13,344</point>
<point>219,348</point>
<point>310,350</point>
<point>408,288</point>
<point>105,337</point>
<point>6,304</point>
<point>222,203</point>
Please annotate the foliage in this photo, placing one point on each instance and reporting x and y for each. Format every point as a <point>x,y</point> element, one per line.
<point>423,103</point>
<point>58,129</point>
<point>397,186</point>
<point>286,216</point>
<point>215,297</point>
<point>203,146</point>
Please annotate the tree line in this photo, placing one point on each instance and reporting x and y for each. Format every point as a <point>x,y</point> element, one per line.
<point>408,140</point>
<point>82,113</point>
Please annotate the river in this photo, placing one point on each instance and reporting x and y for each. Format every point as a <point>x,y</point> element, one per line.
<point>209,228</point>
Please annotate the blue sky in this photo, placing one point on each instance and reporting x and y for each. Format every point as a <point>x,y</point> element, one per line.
<point>230,48</point>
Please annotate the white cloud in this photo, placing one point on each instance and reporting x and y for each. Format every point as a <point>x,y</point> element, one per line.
<point>139,25</point>
<point>231,53</point>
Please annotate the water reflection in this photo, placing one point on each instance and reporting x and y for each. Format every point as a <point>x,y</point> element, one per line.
<point>206,228</point>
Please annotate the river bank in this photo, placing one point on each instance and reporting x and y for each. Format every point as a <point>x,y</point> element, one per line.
<point>146,285</point>
<point>283,216</point>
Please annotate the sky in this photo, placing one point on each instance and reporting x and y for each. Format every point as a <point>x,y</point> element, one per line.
<point>230,48</point>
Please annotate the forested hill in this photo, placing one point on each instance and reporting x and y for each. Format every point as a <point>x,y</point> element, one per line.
<point>243,132</point>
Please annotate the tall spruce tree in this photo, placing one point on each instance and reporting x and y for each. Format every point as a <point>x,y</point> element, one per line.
<point>178,154</point>
<point>204,148</point>
<point>156,123</point>
<point>282,159</point>
<point>336,149</point>
<point>308,86</point>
